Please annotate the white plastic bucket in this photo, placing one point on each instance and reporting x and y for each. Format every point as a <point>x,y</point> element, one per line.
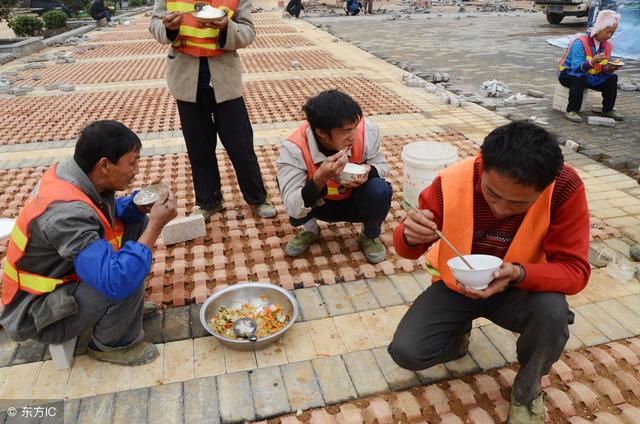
<point>422,161</point>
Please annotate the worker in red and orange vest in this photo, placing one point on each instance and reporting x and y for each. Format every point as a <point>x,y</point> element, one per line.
<point>519,202</point>
<point>205,76</point>
<point>311,180</point>
<point>587,64</point>
<point>78,257</point>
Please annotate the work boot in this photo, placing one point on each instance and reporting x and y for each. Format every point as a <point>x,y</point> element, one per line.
<point>573,117</point>
<point>614,115</point>
<point>139,354</point>
<point>265,209</point>
<point>300,243</point>
<point>149,310</point>
<point>373,249</point>
<point>526,414</point>
<point>206,213</point>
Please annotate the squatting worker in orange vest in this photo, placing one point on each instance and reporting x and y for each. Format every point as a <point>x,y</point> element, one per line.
<point>311,162</point>
<point>517,200</point>
<point>205,76</point>
<point>77,257</point>
<point>586,64</point>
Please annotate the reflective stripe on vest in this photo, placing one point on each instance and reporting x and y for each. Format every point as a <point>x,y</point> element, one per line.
<point>193,39</point>
<point>51,189</point>
<point>457,223</point>
<point>605,46</point>
<point>335,191</point>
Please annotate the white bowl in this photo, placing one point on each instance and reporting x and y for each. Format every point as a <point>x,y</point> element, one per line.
<point>209,14</point>
<point>479,277</point>
<point>6,227</point>
<point>351,172</point>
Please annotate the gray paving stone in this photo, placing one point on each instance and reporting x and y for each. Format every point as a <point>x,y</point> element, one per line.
<point>234,393</point>
<point>98,409</point>
<point>361,296</point>
<point>463,366</point>
<point>336,300</point>
<point>71,411</point>
<point>153,328</point>
<point>503,339</point>
<point>131,406</point>
<point>176,324</point>
<point>483,352</point>
<point>384,291</point>
<point>397,378</point>
<point>407,286</point>
<point>8,349</point>
<point>334,379</point>
<point>586,332</point>
<point>197,330</point>
<point>434,374</point>
<point>311,304</point>
<point>165,404</point>
<point>302,386</point>
<point>269,393</point>
<point>622,314</point>
<point>604,322</point>
<point>423,278</point>
<point>29,351</point>
<point>365,374</point>
<point>201,401</point>
<point>573,343</point>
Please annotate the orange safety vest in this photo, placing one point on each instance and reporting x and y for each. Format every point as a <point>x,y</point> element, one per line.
<point>335,191</point>
<point>457,223</point>
<point>597,68</point>
<point>193,39</point>
<point>52,189</point>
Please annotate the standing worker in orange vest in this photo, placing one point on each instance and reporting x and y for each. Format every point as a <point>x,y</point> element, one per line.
<point>313,158</point>
<point>587,64</point>
<point>519,202</point>
<point>77,257</point>
<point>205,76</point>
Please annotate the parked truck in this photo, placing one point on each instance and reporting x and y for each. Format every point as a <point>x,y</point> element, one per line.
<point>556,10</point>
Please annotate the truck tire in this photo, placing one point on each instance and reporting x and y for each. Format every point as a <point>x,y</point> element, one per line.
<point>554,18</point>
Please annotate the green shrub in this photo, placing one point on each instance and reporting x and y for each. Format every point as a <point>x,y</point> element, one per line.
<point>54,19</point>
<point>6,6</point>
<point>26,26</point>
<point>74,6</point>
<point>137,3</point>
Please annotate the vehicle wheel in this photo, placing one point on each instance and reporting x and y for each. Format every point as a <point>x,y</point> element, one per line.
<point>554,18</point>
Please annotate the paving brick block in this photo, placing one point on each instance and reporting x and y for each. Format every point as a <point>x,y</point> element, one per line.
<point>200,401</point>
<point>562,370</point>
<point>560,400</point>
<point>234,391</point>
<point>131,406</point>
<point>483,352</point>
<point>463,366</point>
<point>197,330</point>
<point>449,418</point>
<point>29,351</point>
<point>434,374</point>
<point>599,120</point>
<point>506,377</point>
<point>152,329</point>
<point>378,412</point>
<point>365,374</point>
<point>630,413</point>
<point>302,386</point>
<point>165,404</point>
<point>406,285</point>
<point>406,405</point>
<point>621,351</point>
<point>463,392</point>
<point>480,416</point>
<point>183,229</point>
<point>384,291</point>
<point>607,388</point>
<point>336,300</point>
<point>97,409</point>
<point>71,411</point>
<point>437,398</point>
<point>289,419</point>
<point>607,418</point>
<point>176,324</point>
<point>578,361</point>
<point>353,333</point>
<point>582,393</point>
<point>397,378</point>
<point>578,420</point>
<point>361,296</point>
<point>321,416</point>
<point>349,414</point>
<point>604,322</point>
<point>501,408</point>
<point>334,379</point>
<point>603,358</point>
<point>488,386</point>
<point>586,332</point>
<point>504,340</point>
<point>269,394</point>
<point>628,382</point>
<point>311,304</point>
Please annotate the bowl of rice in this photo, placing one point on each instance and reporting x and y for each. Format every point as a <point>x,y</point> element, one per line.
<point>273,309</point>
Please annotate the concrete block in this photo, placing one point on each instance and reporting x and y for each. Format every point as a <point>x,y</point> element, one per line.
<point>50,87</point>
<point>334,379</point>
<point>628,87</point>
<point>66,87</point>
<point>183,229</point>
<point>384,291</point>
<point>269,393</point>
<point>311,304</point>
<point>535,93</point>
<point>365,374</point>
<point>302,386</point>
<point>336,299</point>
<point>234,394</point>
<point>361,295</point>
<point>601,121</point>
<point>165,404</point>
<point>295,64</point>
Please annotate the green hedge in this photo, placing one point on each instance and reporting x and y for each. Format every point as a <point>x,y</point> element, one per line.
<point>137,3</point>
<point>26,26</point>
<point>54,19</point>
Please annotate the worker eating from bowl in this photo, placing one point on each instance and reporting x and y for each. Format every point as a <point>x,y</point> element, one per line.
<point>313,181</point>
<point>517,201</point>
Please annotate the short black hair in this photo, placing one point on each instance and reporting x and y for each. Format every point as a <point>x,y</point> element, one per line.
<point>104,139</point>
<point>525,152</point>
<point>331,109</point>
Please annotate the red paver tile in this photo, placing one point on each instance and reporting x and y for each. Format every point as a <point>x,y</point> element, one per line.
<point>463,392</point>
<point>480,416</point>
<point>607,388</point>
<point>449,418</point>
<point>501,408</point>
<point>579,361</point>
<point>630,413</point>
<point>349,414</point>
<point>607,418</point>
<point>562,370</point>
<point>378,411</point>
<point>628,382</point>
<point>279,41</point>
<point>582,393</point>
<point>406,405</point>
<point>437,398</point>
<point>506,377</point>
<point>560,400</point>
<point>488,386</point>
<point>320,416</point>
<point>602,357</point>
<point>620,351</point>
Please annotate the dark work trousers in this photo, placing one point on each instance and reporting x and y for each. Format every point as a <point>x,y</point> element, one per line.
<point>431,330</point>
<point>201,122</point>
<point>577,85</point>
<point>368,204</point>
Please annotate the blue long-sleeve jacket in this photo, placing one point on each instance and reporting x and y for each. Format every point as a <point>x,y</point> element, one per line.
<point>577,65</point>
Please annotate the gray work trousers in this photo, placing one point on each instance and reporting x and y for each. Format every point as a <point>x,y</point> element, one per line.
<point>115,324</point>
<point>431,330</point>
